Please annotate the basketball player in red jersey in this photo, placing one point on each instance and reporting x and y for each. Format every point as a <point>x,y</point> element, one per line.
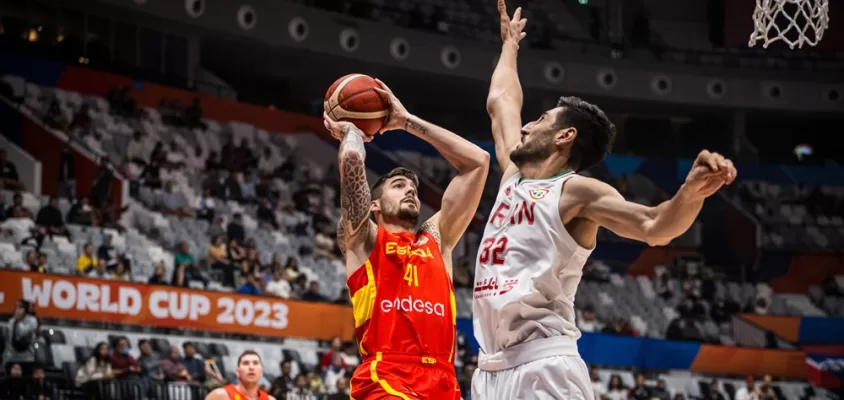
<point>399,276</point>
<point>249,372</point>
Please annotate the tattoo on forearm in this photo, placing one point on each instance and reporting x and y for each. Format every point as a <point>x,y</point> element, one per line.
<point>430,227</point>
<point>410,124</point>
<point>354,190</point>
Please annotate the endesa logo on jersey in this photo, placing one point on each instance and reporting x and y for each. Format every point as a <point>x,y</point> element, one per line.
<point>409,304</point>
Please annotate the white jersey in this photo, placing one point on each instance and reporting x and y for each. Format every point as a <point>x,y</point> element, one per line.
<point>528,268</point>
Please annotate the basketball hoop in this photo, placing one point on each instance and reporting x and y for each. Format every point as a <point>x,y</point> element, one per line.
<point>795,22</point>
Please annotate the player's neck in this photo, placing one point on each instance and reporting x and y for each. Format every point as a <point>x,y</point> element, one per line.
<point>547,168</point>
<point>249,391</point>
<point>396,227</point>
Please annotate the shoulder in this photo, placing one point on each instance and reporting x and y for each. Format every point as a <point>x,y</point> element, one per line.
<point>431,227</point>
<point>218,394</point>
<point>584,188</point>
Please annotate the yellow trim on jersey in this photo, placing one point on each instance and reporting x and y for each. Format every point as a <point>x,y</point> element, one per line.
<point>363,300</point>
<point>384,385</point>
<point>454,321</point>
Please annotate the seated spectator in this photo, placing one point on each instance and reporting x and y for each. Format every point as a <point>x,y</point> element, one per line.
<point>17,209</point>
<point>324,243</point>
<point>54,117</point>
<point>215,228</point>
<point>300,286</point>
<point>82,213</point>
<point>9,178</point>
<point>266,164</point>
<point>280,284</point>
<point>151,175</point>
<point>350,355</point>
<point>343,299</point>
<point>185,268</point>
<point>195,365</point>
<point>266,215</point>
<point>97,368</point>
<point>107,252</point>
<point>335,372</point>
<point>313,293</point>
<point>195,162</point>
<point>149,362</point>
<point>158,275</point>
<point>173,202</point>
<point>205,206</point>
<point>173,368</point>
<point>251,286</point>
<point>50,218</point>
<point>138,149</point>
<point>588,322</point>
<point>123,365</point>
<point>193,115</point>
<point>335,349</point>
<point>86,261</point>
<point>616,389</point>
<point>42,264</point>
<point>31,261</point>
<point>121,273</point>
<point>660,392</point>
<point>100,271</point>
<point>235,230</point>
<point>270,268</point>
<point>247,188</point>
<point>639,391</point>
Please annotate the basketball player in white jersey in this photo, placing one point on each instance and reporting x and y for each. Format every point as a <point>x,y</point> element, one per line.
<point>543,228</point>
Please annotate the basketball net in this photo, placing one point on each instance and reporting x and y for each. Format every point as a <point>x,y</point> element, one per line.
<point>795,22</point>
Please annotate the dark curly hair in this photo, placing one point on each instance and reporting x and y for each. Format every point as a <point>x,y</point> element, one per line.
<point>595,132</point>
<point>376,190</point>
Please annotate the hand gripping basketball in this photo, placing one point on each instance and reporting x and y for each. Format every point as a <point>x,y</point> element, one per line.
<point>339,129</point>
<point>398,114</point>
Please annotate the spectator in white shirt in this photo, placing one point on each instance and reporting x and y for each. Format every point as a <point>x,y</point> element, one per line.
<point>747,392</point>
<point>172,202</point>
<point>266,164</point>
<point>205,205</point>
<point>598,387</point>
<point>175,156</point>
<point>195,162</point>
<point>137,150</point>
<point>99,272</point>
<point>588,322</point>
<point>280,286</point>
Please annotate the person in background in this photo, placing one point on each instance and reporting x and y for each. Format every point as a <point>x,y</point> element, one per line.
<point>235,230</point>
<point>149,362</point>
<point>749,391</point>
<point>598,387</point>
<point>195,365</point>
<point>97,369</point>
<point>284,381</point>
<point>766,390</point>
<point>9,178</point>
<point>205,206</point>
<point>173,368</point>
<point>660,392</point>
<point>616,389</point>
<point>313,293</point>
<point>121,273</point>
<point>82,213</point>
<point>50,219</point>
<point>252,285</point>
<point>41,268</point>
<point>279,286</point>
<point>336,348</point>
<point>107,252</point>
<point>17,209</point>
<point>158,275</point>
<point>335,372</point>
<point>20,337</point>
<point>639,391</point>
<point>123,365</point>
<point>714,392</point>
<point>100,271</point>
<point>67,174</point>
<point>86,261</point>
<point>30,263</point>
<point>173,202</point>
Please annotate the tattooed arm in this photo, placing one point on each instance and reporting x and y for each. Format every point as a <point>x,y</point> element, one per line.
<point>354,232</point>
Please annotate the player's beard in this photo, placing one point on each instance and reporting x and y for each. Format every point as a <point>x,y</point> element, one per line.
<point>535,150</point>
<point>401,212</point>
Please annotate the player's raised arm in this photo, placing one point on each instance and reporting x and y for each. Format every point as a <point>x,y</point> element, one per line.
<point>217,394</point>
<point>355,199</point>
<point>656,226</point>
<point>504,102</point>
<point>461,197</point>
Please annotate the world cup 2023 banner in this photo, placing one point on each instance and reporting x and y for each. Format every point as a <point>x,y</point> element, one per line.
<point>83,299</point>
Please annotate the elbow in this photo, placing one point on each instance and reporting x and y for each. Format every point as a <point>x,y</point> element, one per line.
<point>657,241</point>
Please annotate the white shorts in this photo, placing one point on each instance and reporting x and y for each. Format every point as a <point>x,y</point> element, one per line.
<point>551,378</point>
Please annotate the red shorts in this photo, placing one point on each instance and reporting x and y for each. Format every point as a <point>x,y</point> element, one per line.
<point>404,377</point>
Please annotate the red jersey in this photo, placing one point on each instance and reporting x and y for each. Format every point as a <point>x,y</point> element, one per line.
<point>234,394</point>
<point>405,315</point>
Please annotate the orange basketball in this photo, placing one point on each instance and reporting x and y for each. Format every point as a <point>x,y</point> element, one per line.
<point>352,98</point>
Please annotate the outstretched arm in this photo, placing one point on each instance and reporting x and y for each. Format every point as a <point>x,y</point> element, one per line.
<point>461,197</point>
<point>354,189</point>
<point>504,102</point>
<point>656,226</point>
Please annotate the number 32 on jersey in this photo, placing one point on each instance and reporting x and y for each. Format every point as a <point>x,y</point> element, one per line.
<point>492,250</point>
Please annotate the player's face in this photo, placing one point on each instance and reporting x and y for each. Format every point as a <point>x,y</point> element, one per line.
<point>250,369</point>
<point>539,139</point>
<point>399,200</point>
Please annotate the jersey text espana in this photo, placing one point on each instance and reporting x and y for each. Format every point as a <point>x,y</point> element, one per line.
<point>403,298</point>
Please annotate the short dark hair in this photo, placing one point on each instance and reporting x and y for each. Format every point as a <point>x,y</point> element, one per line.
<point>595,132</point>
<point>248,353</point>
<point>186,344</point>
<point>142,342</point>
<point>377,187</point>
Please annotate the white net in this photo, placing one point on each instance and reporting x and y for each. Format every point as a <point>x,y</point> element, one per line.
<point>795,22</point>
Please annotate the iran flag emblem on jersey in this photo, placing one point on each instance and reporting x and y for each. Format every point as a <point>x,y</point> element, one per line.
<point>539,194</point>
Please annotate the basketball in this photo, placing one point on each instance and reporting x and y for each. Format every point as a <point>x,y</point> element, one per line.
<point>353,98</point>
